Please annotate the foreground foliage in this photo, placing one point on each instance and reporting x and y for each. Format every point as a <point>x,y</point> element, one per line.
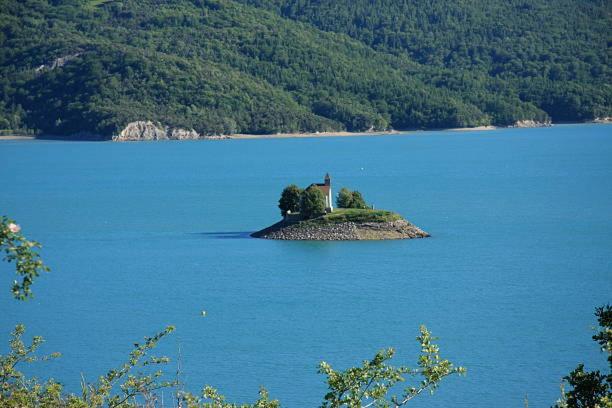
<point>370,384</point>
<point>22,252</point>
<point>120,387</point>
<point>591,389</point>
<point>137,382</point>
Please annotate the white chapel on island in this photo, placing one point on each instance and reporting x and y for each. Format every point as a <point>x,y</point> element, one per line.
<point>326,189</point>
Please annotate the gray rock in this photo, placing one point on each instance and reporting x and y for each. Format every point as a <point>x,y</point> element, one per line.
<point>182,134</point>
<point>58,62</point>
<point>528,123</point>
<point>147,130</point>
<point>346,231</point>
<point>142,130</point>
<point>605,119</point>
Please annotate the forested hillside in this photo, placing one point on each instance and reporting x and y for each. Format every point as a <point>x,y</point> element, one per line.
<point>554,53</point>
<point>81,67</point>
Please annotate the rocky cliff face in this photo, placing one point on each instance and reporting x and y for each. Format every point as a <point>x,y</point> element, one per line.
<point>530,124</point>
<point>182,134</point>
<point>58,62</point>
<point>346,231</point>
<point>147,130</point>
<point>605,119</point>
<point>142,130</point>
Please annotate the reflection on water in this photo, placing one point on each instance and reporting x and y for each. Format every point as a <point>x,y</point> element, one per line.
<point>227,235</point>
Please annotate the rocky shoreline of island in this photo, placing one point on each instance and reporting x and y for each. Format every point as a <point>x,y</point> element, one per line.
<point>344,231</point>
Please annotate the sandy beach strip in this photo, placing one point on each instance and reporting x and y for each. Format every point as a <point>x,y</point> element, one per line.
<point>310,134</point>
<point>352,134</point>
<point>469,129</point>
<point>16,137</point>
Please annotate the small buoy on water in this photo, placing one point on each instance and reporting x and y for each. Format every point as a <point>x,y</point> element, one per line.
<point>203,313</point>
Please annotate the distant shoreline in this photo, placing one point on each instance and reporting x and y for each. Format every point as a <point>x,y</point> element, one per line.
<point>291,135</point>
<point>240,136</point>
<point>17,137</point>
<point>310,134</point>
<point>298,135</point>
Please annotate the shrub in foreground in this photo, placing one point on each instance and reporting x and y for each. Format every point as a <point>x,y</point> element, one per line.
<point>136,383</point>
<point>591,389</point>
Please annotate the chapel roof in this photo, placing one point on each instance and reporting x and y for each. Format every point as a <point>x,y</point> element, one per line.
<point>324,189</point>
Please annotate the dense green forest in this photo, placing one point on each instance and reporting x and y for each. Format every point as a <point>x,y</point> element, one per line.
<point>554,54</point>
<point>81,68</point>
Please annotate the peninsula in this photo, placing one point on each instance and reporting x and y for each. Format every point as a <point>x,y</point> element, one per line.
<point>309,214</point>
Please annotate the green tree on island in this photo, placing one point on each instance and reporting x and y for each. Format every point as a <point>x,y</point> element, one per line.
<point>358,200</point>
<point>290,199</point>
<point>312,203</point>
<point>350,199</point>
<point>344,198</point>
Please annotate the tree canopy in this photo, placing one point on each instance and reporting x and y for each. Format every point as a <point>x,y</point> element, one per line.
<point>290,199</point>
<point>350,199</point>
<point>312,202</point>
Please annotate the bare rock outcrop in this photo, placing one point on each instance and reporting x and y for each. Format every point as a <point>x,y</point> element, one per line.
<point>605,119</point>
<point>182,134</point>
<point>58,62</point>
<point>147,130</point>
<point>529,123</point>
<point>141,130</point>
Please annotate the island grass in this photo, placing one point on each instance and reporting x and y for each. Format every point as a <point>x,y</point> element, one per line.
<point>341,215</point>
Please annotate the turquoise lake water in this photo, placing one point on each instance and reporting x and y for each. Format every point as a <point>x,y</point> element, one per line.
<point>143,235</point>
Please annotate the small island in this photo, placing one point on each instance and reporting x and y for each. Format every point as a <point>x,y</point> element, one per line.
<point>309,214</point>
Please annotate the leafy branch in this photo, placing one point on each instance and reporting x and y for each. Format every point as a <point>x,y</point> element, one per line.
<point>591,388</point>
<point>368,385</point>
<point>133,386</point>
<point>13,384</point>
<point>134,389</point>
<point>211,398</point>
<point>20,250</point>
